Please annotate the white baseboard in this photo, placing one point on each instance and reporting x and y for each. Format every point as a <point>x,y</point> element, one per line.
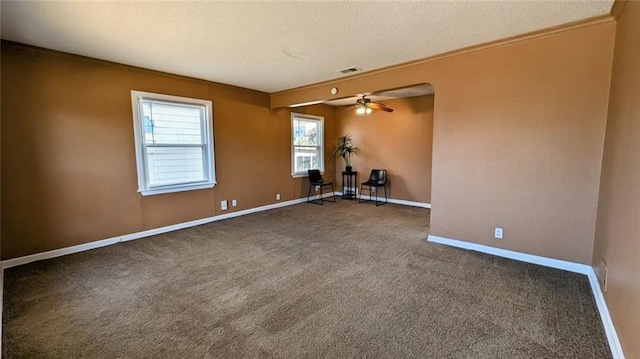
<point>393,200</point>
<point>523,257</point>
<point>151,232</point>
<point>607,322</point>
<point>59,252</point>
<point>407,203</point>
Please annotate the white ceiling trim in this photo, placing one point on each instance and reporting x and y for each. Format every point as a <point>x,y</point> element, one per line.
<point>384,95</point>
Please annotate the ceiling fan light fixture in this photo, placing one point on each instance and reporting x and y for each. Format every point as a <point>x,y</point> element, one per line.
<point>364,106</point>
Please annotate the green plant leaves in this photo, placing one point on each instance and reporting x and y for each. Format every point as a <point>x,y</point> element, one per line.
<point>344,147</point>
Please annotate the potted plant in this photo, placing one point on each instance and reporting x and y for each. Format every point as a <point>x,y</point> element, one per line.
<point>344,147</point>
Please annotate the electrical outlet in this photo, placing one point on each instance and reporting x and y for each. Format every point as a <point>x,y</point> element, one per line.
<point>223,205</point>
<point>277,196</point>
<point>234,203</point>
<point>498,233</point>
<point>317,188</point>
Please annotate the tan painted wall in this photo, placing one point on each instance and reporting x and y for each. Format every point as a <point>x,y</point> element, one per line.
<point>518,137</point>
<point>399,142</point>
<point>68,165</point>
<point>618,225</point>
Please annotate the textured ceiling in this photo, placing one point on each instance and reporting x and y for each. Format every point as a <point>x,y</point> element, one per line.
<point>273,46</point>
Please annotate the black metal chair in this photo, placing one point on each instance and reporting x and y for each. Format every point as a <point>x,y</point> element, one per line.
<point>315,179</point>
<point>377,179</point>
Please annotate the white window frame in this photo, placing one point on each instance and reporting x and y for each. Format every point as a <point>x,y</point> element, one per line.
<point>318,119</point>
<point>141,153</point>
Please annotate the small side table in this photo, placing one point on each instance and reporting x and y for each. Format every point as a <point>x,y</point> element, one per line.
<point>349,185</point>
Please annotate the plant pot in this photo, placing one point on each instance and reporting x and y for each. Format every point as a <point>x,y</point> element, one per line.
<point>348,169</point>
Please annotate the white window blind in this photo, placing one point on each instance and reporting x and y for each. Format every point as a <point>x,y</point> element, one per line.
<point>307,143</point>
<point>174,143</point>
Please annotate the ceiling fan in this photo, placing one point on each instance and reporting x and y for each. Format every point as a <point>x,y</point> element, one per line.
<point>365,106</point>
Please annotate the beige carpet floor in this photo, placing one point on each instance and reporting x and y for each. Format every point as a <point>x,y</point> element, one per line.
<point>343,280</point>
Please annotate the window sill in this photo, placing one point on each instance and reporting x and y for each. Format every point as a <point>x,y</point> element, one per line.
<point>163,190</point>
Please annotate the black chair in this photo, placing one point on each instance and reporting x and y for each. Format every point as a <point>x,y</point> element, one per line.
<point>377,179</point>
<point>315,179</point>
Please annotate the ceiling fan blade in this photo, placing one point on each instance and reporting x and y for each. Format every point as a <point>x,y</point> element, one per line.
<point>379,106</point>
<point>346,108</point>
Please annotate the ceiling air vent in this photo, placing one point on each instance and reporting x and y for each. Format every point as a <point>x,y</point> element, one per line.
<point>350,70</point>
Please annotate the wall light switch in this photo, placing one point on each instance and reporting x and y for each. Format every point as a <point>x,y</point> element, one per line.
<point>498,233</point>
<point>223,205</point>
<point>234,203</point>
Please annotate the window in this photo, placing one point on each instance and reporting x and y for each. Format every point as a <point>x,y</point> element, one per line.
<point>307,144</point>
<point>174,143</point>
